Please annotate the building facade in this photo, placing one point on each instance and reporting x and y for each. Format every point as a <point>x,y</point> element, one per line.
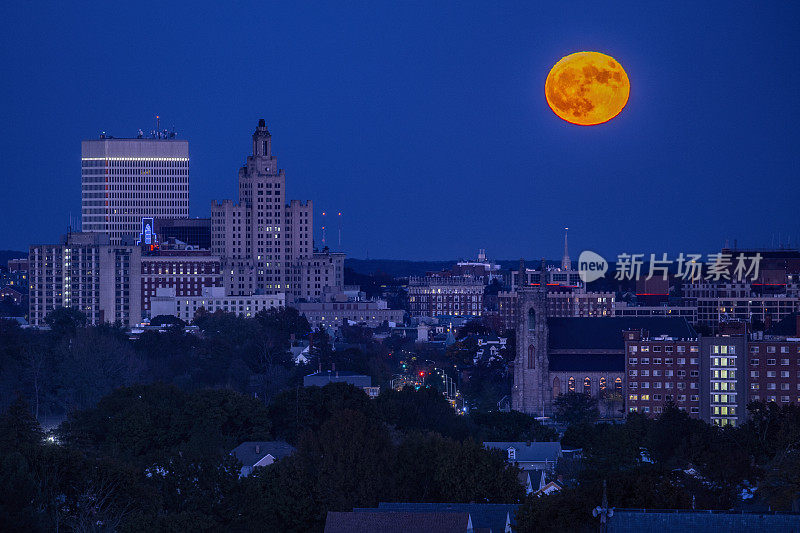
<point>432,296</point>
<point>660,371</point>
<point>259,237</point>
<point>320,273</point>
<point>189,272</point>
<point>126,180</point>
<point>212,299</point>
<point>336,311</point>
<point>86,272</point>
<point>556,355</point>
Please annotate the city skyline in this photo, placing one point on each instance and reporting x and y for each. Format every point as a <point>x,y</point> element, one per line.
<point>431,177</point>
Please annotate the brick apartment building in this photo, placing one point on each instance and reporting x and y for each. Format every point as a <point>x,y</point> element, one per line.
<point>661,370</point>
<point>714,378</point>
<point>187,271</point>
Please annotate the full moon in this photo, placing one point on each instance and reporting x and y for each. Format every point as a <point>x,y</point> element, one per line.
<point>587,88</point>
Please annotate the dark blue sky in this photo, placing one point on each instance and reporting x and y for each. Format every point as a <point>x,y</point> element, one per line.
<point>425,123</point>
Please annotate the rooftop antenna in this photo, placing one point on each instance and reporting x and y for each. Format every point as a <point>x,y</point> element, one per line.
<point>323,229</point>
<point>340,229</point>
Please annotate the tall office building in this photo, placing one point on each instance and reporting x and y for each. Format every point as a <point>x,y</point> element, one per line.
<point>260,237</point>
<point>126,180</point>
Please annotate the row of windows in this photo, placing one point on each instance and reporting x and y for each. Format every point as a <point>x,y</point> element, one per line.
<point>667,373</point>
<point>659,385</point>
<point>773,374</point>
<point>657,361</point>
<point>784,362</point>
<point>658,397</point>
<point>667,349</point>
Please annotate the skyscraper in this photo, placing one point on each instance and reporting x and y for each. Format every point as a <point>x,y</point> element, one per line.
<point>259,237</point>
<point>126,180</point>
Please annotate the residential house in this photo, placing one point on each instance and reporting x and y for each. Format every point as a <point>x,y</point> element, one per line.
<point>263,453</point>
<point>529,455</point>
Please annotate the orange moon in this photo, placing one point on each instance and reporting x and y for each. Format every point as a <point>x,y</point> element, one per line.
<point>587,88</point>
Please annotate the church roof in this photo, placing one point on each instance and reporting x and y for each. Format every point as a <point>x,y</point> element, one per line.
<point>570,362</point>
<point>605,333</point>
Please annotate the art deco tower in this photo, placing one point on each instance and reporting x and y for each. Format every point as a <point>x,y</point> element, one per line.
<point>259,237</point>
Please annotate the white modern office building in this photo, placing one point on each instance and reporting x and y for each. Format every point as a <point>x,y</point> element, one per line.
<point>126,180</point>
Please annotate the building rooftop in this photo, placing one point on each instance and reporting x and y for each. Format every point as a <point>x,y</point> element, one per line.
<point>535,452</point>
<point>491,516</point>
<point>249,453</point>
<point>605,333</point>
<point>398,522</point>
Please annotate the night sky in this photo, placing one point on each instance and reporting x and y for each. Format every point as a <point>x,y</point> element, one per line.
<point>424,123</point>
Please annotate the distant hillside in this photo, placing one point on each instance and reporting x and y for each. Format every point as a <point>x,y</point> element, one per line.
<point>399,268</point>
<point>5,255</point>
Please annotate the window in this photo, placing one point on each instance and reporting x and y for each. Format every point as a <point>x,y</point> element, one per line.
<point>587,385</point>
<point>770,349</point>
<point>754,373</point>
<point>632,361</point>
<point>571,384</point>
<point>681,361</point>
<point>681,349</point>
<point>645,397</point>
<point>645,360</point>
<point>754,362</point>
<point>656,348</point>
<point>618,385</point>
<point>512,454</point>
<point>602,384</point>
<point>633,397</point>
<point>632,372</point>
<point>784,362</point>
<point>657,361</point>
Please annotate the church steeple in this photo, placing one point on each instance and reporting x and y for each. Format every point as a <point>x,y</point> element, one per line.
<point>566,264</point>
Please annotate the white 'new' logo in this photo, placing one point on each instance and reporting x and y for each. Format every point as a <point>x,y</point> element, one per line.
<point>591,266</point>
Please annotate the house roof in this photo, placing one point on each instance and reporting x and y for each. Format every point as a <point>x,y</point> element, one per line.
<point>484,515</point>
<point>247,455</point>
<point>397,522</point>
<point>605,333</point>
<point>537,452</point>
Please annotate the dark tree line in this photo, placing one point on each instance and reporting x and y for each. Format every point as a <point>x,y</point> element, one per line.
<point>155,457</point>
<point>673,462</point>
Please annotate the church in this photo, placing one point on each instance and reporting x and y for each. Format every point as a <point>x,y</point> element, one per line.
<point>556,355</point>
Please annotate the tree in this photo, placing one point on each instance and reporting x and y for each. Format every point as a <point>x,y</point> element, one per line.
<point>423,409</point>
<point>511,426</point>
<point>576,408</point>
<point>65,321</point>
<point>19,430</point>
<point>293,412</point>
